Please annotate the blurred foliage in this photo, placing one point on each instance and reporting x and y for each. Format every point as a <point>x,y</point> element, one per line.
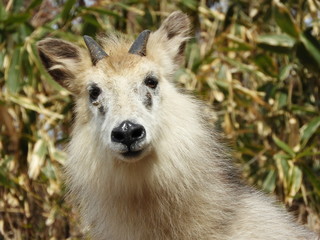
<point>256,62</point>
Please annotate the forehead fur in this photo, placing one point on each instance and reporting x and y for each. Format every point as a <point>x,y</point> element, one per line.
<point>115,44</point>
<point>117,47</point>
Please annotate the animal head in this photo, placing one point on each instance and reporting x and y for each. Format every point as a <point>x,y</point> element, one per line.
<point>120,87</point>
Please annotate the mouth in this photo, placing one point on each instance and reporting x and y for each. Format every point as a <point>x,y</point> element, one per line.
<point>132,154</point>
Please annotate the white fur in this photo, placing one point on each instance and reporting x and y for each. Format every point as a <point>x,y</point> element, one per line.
<point>184,185</point>
<point>177,192</point>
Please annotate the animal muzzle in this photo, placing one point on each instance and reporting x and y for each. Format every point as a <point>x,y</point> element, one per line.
<point>129,134</point>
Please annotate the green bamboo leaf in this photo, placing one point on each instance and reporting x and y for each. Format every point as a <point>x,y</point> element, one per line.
<point>193,53</point>
<point>4,180</point>
<point>59,156</point>
<point>296,180</point>
<point>17,5</point>
<point>285,72</point>
<point>269,183</point>
<point>48,171</point>
<point>312,45</point>
<point>313,178</point>
<point>16,19</point>
<point>3,13</point>
<point>100,10</point>
<point>283,146</point>
<point>2,55</point>
<point>283,170</point>
<point>278,43</point>
<point>130,8</point>
<point>192,4</point>
<point>305,109</point>
<point>245,67</point>
<point>309,129</point>
<point>265,64</point>
<point>308,153</point>
<point>223,85</point>
<point>67,8</point>
<point>14,82</point>
<point>305,57</point>
<point>284,19</point>
<point>281,99</point>
<point>282,156</point>
<point>91,25</point>
<point>91,19</point>
<point>34,4</point>
<point>37,158</point>
<point>242,44</point>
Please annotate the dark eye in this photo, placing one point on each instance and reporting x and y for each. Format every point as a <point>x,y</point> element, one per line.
<point>151,82</point>
<point>94,92</point>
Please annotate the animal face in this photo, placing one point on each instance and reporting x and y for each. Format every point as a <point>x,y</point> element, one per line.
<point>123,104</point>
<point>120,88</point>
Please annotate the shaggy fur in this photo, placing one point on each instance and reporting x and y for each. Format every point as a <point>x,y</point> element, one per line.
<point>183,185</point>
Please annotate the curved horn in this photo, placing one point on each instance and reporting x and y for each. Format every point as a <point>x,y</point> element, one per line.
<point>139,46</point>
<point>96,52</point>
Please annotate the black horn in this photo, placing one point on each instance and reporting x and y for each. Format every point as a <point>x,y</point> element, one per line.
<point>139,46</point>
<point>96,52</point>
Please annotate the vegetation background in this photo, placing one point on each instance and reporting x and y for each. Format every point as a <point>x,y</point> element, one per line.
<point>257,63</point>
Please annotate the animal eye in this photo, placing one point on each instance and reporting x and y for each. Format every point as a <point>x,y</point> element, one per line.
<point>94,92</point>
<point>151,82</point>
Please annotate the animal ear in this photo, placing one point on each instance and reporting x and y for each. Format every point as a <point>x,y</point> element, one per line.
<point>176,25</point>
<point>62,60</point>
<point>170,39</point>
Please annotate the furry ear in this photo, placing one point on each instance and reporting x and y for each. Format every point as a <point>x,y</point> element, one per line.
<point>62,60</point>
<point>166,45</point>
<point>176,25</point>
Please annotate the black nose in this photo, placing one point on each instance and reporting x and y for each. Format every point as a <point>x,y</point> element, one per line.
<point>128,133</point>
